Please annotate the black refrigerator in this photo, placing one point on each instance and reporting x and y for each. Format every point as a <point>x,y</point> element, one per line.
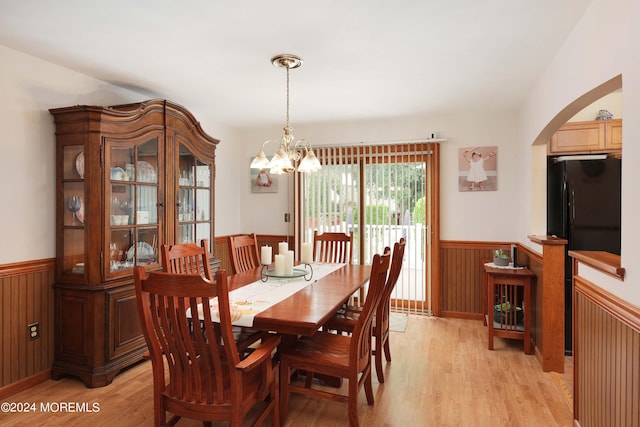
<point>583,206</point>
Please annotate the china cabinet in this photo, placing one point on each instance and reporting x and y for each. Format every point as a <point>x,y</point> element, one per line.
<point>595,136</point>
<point>129,178</point>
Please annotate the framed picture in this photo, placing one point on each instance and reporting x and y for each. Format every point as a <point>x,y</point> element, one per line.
<point>477,169</point>
<point>263,182</point>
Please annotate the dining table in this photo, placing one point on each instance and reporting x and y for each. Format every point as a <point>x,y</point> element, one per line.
<point>309,307</point>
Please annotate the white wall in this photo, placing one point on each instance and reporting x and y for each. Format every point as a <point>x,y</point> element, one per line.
<point>611,102</point>
<point>227,199</point>
<point>29,87</point>
<point>487,215</point>
<point>602,46</point>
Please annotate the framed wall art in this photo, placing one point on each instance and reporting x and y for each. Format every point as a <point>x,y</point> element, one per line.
<point>262,181</point>
<point>477,169</point>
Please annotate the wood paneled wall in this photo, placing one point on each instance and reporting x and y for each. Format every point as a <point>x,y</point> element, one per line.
<point>461,270</point>
<point>26,296</point>
<point>606,358</point>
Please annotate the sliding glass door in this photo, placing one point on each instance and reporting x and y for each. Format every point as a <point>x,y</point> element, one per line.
<point>380,194</point>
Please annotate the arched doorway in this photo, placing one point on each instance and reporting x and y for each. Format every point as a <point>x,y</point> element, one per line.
<point>558,172</point>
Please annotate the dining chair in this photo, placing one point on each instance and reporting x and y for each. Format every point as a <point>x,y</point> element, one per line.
<point>333,247</point>
<point>345,320</point>
<point>244,252</point>
<point>336,355</point>
<point>186,258</point>
<point>190,258</point>
<point>207,380</point>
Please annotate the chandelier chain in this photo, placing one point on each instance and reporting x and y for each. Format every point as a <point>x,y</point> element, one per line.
<point>287,67</point>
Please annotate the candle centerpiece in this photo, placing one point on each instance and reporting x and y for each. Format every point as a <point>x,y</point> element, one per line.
<point>265,255</point>
<point>307,253</point>
<point>283,247</point>
<point>284,262</point>
<point>288,263</point>
<point>279,267</point>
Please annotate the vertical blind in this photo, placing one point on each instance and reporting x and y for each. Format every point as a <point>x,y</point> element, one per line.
<point>380,193</point>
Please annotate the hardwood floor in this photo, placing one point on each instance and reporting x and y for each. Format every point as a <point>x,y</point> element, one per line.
<point>441,375</point>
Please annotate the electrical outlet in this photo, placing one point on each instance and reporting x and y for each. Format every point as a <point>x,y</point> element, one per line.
<point>287,217</point>
<point>34,330</point>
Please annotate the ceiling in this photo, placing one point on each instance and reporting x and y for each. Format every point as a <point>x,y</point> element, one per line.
<point>363,59</point>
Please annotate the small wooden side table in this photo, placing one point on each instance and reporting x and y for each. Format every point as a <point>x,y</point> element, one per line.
<point>512,288</point>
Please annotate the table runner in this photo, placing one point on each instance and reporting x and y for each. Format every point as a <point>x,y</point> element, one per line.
<point>256,297</point>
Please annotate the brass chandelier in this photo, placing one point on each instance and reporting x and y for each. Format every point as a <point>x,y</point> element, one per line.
<point>289,151</point>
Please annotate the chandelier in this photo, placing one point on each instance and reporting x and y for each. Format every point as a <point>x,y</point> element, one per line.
<point>290,151</point>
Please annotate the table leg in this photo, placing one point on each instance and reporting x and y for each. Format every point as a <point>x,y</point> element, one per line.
<point>489,317</point>
<point>527,317</point>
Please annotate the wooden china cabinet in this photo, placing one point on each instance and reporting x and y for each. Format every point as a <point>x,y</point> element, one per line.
<point>129,178</point>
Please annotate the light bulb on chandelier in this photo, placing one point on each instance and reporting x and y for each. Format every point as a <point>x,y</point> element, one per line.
<point>289,150</point>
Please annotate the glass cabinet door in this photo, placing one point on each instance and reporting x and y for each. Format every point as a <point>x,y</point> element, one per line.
<point>194,204</point>
<point>133,204</point>
<point>73,210</point>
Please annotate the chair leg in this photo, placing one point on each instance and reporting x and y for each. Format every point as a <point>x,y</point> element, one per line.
<point>387,349</point>
<point>368,387</point>
<point>379,370</point>
<point>378,360</point>
<point>308,379</point>
<point>353,401</point>
<point>275,397</point>
<point>284,390</point>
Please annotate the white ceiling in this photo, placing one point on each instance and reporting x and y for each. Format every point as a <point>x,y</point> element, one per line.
<point>362,58</point>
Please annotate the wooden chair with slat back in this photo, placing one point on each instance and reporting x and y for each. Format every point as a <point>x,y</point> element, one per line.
<point>337,355</point>
<point>344,321</point>
<point>244,252</point>
<point>333,247</point>
<point>189,258</point>
<point>207,379</point>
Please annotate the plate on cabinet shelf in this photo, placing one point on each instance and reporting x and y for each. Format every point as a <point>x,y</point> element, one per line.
<point>146,172</point>
<point>145,251</point>
<point>80,164</point>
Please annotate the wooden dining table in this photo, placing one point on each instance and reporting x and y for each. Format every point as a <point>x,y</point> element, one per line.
<point>304,312</point>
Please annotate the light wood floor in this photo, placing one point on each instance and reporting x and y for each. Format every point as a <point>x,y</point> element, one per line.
<point>441,375</point>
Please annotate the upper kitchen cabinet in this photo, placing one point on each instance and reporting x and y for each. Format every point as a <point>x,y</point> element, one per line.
<point>129,178</point>
<point>595,136</point>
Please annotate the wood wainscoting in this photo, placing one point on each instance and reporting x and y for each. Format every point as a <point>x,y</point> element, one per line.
<point>461,270</point>
<point>26,297</point>
<point>606,358</point>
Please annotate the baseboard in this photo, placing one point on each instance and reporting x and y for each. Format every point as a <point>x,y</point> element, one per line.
<point>461,315</point>
<point>24,384</point>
